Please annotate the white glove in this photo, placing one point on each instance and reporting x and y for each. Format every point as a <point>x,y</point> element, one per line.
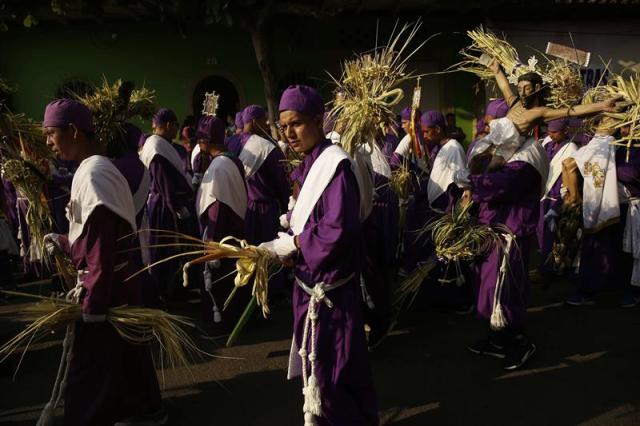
<point>292,203</point>
<point>284,222</point>
<point>282,247</point>
<point>183,213</point>
<point>550,215</point>
<point>461,178</point>
<point>52,244</point>
<point>196,179</point>
<point>214,264</point>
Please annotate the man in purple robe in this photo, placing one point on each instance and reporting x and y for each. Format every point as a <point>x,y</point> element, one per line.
<point>325,246</point>
<point>232,142</point>
<point>109,380</point>
<point>170,204</point>
<point>221,205</point>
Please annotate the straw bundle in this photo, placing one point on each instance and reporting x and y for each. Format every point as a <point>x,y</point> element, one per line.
<point>114,104</point>
<point>408,289</point>
<point>369,90</point>
<point>400,182</point>
<point>138,326</point>
<point>565,84</point>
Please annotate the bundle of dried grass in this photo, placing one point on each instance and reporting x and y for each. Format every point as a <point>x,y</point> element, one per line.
<point>251,261</point>
<point>408,289</point>
<point>114,104</point>
<point>565,84</point>
<point>401,182</point>
<point>369,89</point>
<point>138,326</point>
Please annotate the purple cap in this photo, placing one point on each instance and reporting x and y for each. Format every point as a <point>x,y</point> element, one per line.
<point>252,112</point>
<point>62,112</point>
<point>432,118</point>
<point>132,136</point>
<point>480,125</point>
<point>302,99</point>
<point>238,122</point>
<point>163,116</point>
<point>497,108</point>
<point>574,122</point>
<point>557,125</point>
<point>211,129</point>
<point>406,114</point>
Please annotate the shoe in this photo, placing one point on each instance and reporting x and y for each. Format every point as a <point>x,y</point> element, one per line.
<point>579,299</point>
<point>465,309</point>
<point>518,354</point>
<point>629,301</point>
<point>158,418</point>
<point>487,347</point>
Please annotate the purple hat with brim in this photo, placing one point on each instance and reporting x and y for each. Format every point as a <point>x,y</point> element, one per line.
<point>302,99</point>
<point>132,135</point>
<point>238,122</point>
<point>252,112</point>
<point>163,116</point>
<point>211,129</point>
<point>433,118</point>
<point>62,112</point>
<point>557,125</point>
<point>406,114</point>
<point>497,108</point>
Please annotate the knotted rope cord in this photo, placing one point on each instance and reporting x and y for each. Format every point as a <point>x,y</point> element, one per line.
<point>498,320</point>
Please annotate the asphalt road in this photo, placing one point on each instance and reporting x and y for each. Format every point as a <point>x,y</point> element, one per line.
<point>586,371</point>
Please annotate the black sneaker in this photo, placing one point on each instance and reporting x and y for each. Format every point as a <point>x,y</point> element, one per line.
<point>158,418</point>
<point>517,355</point>
<point>487,347</point>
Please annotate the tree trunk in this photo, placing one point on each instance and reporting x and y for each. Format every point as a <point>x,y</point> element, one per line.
<point>261,48</point>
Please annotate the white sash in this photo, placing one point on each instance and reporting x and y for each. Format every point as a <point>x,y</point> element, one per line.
<point>450,159</point>
<point>97,182</point>
<point>504,135</point>
<point>157,145</point>
<point>555,167</point>
<point>532,153</point>
<point>222,181</point>
<point>256,149</point>
<point>194,153</point>
<point>317,180</point>
<point>597,164</point>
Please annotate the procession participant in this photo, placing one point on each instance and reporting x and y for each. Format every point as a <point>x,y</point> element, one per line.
<point>170,203</point>
<point>497,108</point>
<point>109,380</point>
<point>329,347</point>
<point>233,142</point>
<point>221,205</point>
<point>453,130</point>
<point>557,147</point>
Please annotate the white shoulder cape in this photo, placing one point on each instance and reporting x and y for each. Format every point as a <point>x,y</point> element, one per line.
<point>449,160</point>
<point>555,166</point>
<point>98,182</point>
<point>532,153</point>
<point>255,151</point>
<point>222,181</point>
<point>157,145</point>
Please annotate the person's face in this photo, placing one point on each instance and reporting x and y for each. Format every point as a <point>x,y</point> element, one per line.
<point>526,90</point>
<point>624,131</point>
<point>301,131</point>
<point>62,141</point>
<point>406,125</point>
<point>432,135</point>
<point>557,136</point>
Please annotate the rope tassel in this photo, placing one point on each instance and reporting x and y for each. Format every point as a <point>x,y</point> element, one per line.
<point>498,319</point>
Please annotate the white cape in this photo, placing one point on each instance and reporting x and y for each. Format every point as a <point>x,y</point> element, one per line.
<point>449,160</point>
<point>597,164</point>
<point>98,182</point>
<point>532,153</point>
<point>157,145</point>
<point>222,181</point>
<point>256,149</point>
<point>555,167</point>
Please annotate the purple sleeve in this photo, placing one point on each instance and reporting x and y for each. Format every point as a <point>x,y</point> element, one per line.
<point>172,186</point>
<point>275,172</point>
<point>99,241</point>
<point>330,238</point>
<point>504,185</point>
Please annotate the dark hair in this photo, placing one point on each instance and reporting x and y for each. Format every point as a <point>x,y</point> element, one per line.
<point>450,114</point>
<point>532,77</point>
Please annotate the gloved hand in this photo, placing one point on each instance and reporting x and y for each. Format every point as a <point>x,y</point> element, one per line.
<point>284,221</point>
<point>461,178</point>
<point>196,179</point>
<point>52,244</point>
<point>292,203</point>
<point>183,213</point>
<point>550,219</point>
<point>281,247</point>
<point>214,264</point>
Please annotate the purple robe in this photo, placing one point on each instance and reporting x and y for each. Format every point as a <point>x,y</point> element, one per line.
<point>268,195</point>
<point>553,200</point>
<point>234,144</point>
<point>217,222</point>
<point>509,196</point>
<point>330,250</point>
<point>169,193</point>
<point>109,379</point>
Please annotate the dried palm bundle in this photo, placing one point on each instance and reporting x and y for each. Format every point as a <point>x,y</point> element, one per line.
<point>369,89</point>
<point>565,84</point>
<point>251,262</point>
<point>139,326</point>
<point>567,238</point>
<point>114,104</point>
<point>408,289</point>
<point>401,182</point>
<point>457,237</point>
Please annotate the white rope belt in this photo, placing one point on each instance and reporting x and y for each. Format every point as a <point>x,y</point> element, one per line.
<point>310,389</point>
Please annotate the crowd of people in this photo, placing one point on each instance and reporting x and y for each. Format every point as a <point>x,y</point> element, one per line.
<point>333,222</point>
